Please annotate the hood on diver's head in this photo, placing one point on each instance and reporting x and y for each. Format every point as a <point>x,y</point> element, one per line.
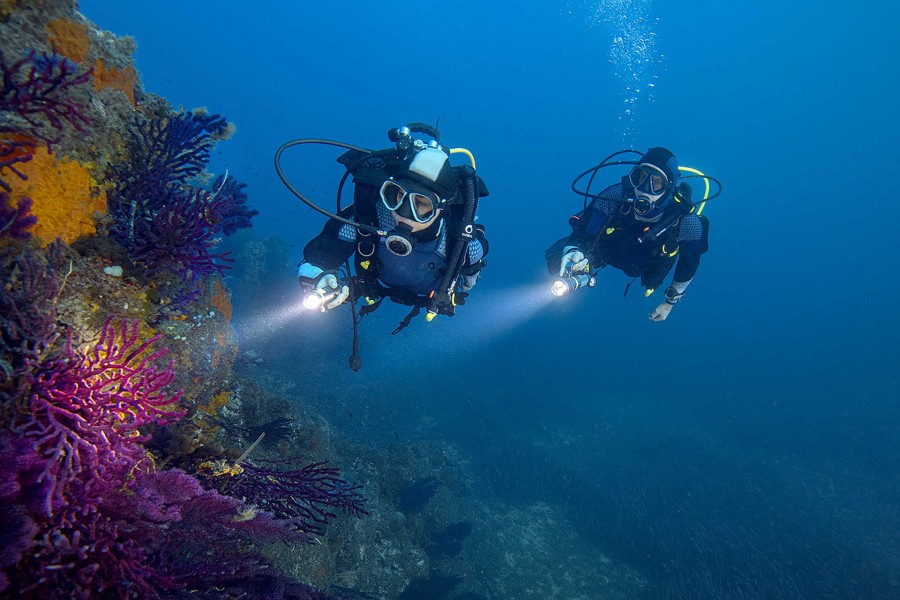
<point>662,159</point>
<point>430,168</point>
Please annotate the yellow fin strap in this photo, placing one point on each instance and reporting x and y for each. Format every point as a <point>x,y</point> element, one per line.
<point>648,292</point>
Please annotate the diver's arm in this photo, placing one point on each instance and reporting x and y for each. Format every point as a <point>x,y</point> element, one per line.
<point>688,263</point>
<point>331,248</point>
<point>322,256</point>
<point>684,272</point>
<point>586,224</point>
<point>693,243</point>
<point>673,296</point>
<point>478,249</point>
<point>572,253</point>
<point>569,249</point>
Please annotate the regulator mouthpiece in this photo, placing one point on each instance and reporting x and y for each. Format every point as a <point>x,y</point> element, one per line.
<point>643,205</point>
<point>399,240</point>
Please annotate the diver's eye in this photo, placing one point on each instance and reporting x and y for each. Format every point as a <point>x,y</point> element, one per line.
<point>658,184</point>
<point>638,177</point>
<point>423,205</point>
<point>392,195</point>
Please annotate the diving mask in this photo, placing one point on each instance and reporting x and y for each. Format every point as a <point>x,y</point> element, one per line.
<point>421,205</point>
<point>650,187</point>
<point>649,179</point>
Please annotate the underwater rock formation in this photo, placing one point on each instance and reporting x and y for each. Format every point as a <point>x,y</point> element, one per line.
<point>35,106</point>
<point>115,340</point>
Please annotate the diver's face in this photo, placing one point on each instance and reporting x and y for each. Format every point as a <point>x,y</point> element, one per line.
<point>415,225</point>
<point>409,204</point>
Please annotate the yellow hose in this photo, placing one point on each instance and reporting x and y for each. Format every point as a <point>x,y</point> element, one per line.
<point>705,180</point>
<point>472,158</point>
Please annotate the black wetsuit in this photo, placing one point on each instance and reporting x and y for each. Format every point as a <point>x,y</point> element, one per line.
<point>419,273</point>
<point>608,233</point>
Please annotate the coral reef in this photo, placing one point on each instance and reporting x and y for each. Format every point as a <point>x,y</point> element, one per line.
<point>232,213</point>
<point>28,315</point>
<point>161,211</point>
<point>116,349</point>
<point>15,222</point>
<point>306,496</point>
<point>33,96</point>
<point>69,38</point>
<point>117,79</point>
<point>66,199</point>
<point>35,106</point>
<point>221,299</point>
<point>82,410</point>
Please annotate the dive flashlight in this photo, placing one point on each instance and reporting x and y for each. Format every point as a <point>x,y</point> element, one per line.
<point>317,299</point>
<point>570,282</point>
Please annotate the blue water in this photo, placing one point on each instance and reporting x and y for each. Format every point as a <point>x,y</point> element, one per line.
<point>766,403</point>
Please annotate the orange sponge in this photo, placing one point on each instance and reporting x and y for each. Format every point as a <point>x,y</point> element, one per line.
<point>65,197</point>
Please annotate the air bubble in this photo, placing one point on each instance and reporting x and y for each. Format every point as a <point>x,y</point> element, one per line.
<point>632,51</point>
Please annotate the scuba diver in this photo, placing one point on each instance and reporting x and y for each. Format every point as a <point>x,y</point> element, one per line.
<point>642,225</point>
<point>410,230</point>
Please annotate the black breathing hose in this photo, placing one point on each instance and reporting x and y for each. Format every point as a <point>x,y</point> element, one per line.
<point>310,203</point>
<point>460,249</point>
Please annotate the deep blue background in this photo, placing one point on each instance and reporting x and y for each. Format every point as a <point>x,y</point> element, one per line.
<point>786,345</point>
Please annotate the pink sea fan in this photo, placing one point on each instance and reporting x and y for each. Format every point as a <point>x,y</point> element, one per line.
<point>83,410</point>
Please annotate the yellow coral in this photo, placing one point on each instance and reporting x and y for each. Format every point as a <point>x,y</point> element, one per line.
<point>69,38</point>
<point>65,197</point>
<point>218,401</point>
<point>118,79</point>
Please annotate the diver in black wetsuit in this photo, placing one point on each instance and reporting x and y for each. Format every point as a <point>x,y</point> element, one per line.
<point>643,225</point>
<point>421,247</point>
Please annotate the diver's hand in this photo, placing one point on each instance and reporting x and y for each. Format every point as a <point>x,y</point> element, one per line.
<point>328,286</point>
<point>662,312</point>
<point>324,284</point>
<point>573,255</point>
